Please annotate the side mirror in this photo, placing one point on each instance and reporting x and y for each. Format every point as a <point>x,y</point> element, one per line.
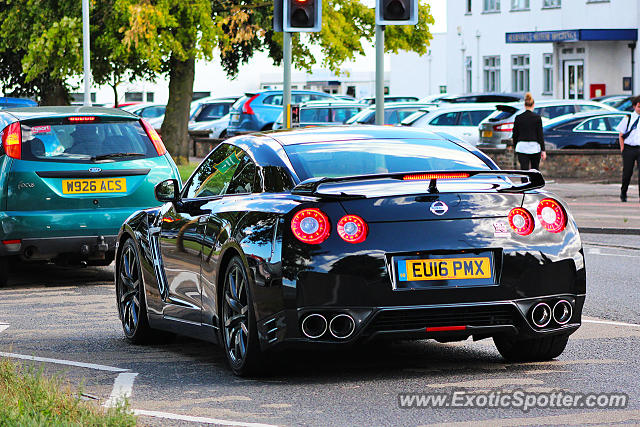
<point>167,191</point>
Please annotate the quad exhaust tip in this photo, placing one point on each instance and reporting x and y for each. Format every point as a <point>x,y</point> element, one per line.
<point>342,326</point>
<point>562,312</point>
<point>541,315</point>
<point>314,326</point>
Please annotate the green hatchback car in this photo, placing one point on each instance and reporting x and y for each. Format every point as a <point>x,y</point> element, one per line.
<point>69,177</point>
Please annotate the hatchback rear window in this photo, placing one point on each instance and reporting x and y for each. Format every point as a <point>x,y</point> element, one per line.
<point>85,142</point>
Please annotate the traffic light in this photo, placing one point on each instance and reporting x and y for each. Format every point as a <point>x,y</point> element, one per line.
<point>396,12</point>
<point>302,15</point>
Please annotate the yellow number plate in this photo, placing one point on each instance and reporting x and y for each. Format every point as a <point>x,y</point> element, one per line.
<point>102,185</point>
<point>444,269</point>
<point>487,133</point>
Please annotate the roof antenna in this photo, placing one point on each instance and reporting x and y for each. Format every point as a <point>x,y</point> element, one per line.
<point>432,186</point>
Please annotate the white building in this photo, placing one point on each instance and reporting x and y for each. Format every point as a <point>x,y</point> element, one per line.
<point>552,48</point>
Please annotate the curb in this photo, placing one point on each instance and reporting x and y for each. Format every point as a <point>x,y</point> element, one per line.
<point>603,230</point>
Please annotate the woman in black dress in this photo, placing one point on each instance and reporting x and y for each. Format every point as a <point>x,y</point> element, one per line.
<point>527,136</point>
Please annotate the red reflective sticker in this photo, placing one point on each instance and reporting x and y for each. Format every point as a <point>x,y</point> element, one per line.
<point>40,129</point>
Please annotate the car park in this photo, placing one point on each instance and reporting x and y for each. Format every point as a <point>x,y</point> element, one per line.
<point>69,177</point>
<point>458,120</point>
<point>344,235</point>
<point>394,113</point>
<point>495,129</point>
<point>324,113</point>
<point>146,110</point>
<point>584,130</point>
<point>259,111</point>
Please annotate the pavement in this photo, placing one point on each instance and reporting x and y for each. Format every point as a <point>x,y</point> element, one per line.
<point>597,208</point>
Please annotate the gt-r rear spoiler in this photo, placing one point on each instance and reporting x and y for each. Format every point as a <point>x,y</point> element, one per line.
<point>309,187</point>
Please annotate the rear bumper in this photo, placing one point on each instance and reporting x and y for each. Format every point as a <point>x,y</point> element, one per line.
<point>79,247</point>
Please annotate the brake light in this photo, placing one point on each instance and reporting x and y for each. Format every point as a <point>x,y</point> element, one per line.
<point>154,137</point>
<point>246,108</point>
<point>352,229</point>
<point>425,176</point>
<point>504,127</point>
<point>310,226</point>
<point>12,140</point>
<point>81,119</point>
<point>12,245</point>
<point>551,215</point>
<point>445,328</point>
<point>521,221</point>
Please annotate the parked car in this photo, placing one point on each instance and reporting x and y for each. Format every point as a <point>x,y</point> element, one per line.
<point>8,102</point>
<point>69,178</point>
<point>610,100</point>
<point>623,104</point>
<point>217,128</point>
<point>258,111</point>
<point>459,120</point>
<point>498,126</point>
<point>325,113</point>
<point>394,113</point>
<point>371,100</point>
<point>481,97</point>
<point>146,110</point>
<point>342,235</point>
<point>211,108</point>
<point>583,130</point>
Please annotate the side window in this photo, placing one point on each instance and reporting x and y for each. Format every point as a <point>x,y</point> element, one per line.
<point>557,111</point>
<point>273,100</point>
<point>478,116</point>
<point>213,176</point>
<point>598,125</point>
<point>299,98</point>
<point>586,107</point>
<point>244,178</point>
<point>465,119</point>
<point>390,117</point>
<point>369,119</point>
<point>403,114</point>
<point>447,119</point>
<point>614,121</point>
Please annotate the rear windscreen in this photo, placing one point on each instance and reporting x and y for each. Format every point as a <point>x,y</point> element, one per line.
<point>85,142</point>
<point>357,157</point>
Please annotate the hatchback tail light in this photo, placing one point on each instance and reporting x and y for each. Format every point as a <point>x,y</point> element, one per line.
<point>12,140</point>
<point>552,215</point>
<point>521,221</point>
<point>352,229</point>
<point>246,108</point>
<point>12,245</point>
<point>154,137</point>
<point>310,226</point>
<point>504,127</point>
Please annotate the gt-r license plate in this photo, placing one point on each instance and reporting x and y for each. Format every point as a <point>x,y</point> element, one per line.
<point>487,134</point>
<point>438,271</point>
<point>102,185</point>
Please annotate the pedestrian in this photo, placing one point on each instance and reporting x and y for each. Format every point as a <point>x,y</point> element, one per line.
<point>629,146</point>
<point>527,136</point>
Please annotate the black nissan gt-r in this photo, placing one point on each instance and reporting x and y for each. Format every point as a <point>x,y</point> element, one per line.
<point>347,234</point>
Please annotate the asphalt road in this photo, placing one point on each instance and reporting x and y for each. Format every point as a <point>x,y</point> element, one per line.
<point>70,315</point>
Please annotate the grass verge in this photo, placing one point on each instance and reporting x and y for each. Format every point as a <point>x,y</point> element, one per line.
<point>28,398</point>
<point>186,170</point>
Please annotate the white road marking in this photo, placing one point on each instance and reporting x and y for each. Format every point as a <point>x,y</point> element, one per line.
<point>64,362</point>
<point>204,420</point>
<point>608,322</point>
<point>3,326</point>
<point>122,389</point>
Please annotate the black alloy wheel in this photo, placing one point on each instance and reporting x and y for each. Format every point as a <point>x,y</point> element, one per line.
<point>130,294</point>
<point>238,322</point>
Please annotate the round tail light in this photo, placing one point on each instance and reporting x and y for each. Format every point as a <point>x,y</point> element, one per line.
<point>521,221</point>
<point>310,226</point>
<point>552,215</point>
<point>352,229</point>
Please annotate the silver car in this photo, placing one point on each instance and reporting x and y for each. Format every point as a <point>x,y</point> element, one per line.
<point>496,129</point>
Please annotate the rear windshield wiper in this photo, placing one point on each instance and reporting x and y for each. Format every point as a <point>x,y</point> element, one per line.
<point>116,155</point>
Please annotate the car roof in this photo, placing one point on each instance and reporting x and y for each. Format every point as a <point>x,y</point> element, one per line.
<point>348,133</point>
<point>55,112</point>
<point>402,105</point>
<point>463,106</point>
<point>582,116</point>
<point>332,103</point>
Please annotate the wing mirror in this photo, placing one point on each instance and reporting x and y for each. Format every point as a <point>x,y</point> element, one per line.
<point>167,191</point>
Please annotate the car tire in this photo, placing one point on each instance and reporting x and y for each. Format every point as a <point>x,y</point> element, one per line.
<point>239,332</point>
<point>531,350</point>
<point>132,308</point>
<point>4,271</point>
<point>223,135</point>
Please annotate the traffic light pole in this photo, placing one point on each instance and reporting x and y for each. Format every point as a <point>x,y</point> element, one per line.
<point>286,83</point>
<point>85,53</point>
<point>379,74</point>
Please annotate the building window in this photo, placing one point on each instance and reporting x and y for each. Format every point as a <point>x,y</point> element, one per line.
<point>519,4</point>
<point>491,73</point>
<point>551,3</point>
<point>150,96</point>
<point>468,64</point>
<point>79,97</point>
<point>468,6</point>
<point>133,97</point>
<point>520,73</point>
<point>547,73</point>
<point>491,6</point>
